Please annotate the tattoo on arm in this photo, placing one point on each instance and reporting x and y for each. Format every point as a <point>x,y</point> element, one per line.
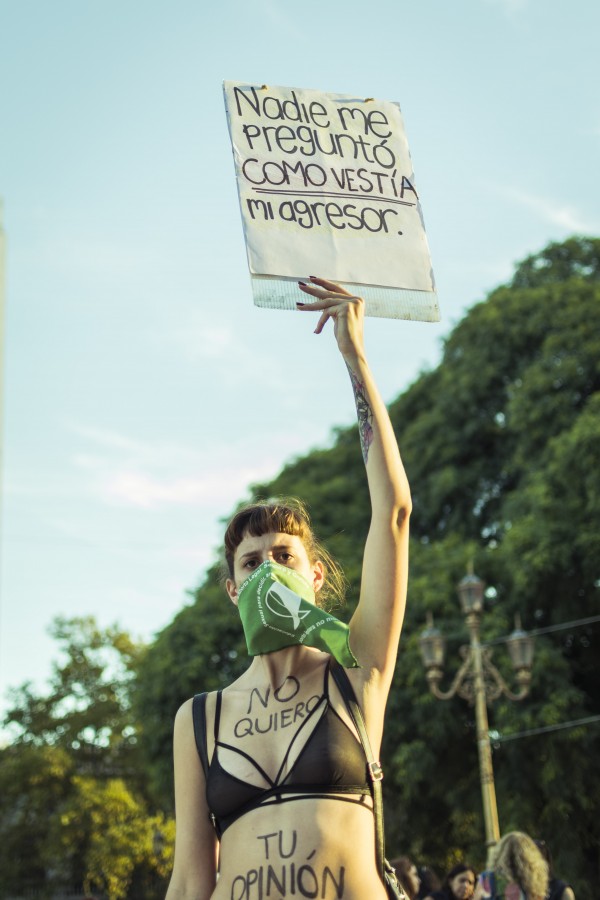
<point>364,413</point>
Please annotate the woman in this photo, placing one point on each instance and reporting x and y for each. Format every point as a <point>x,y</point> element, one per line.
<point>285,782</point>
<point>458,884</point>
<point>520,872</point>
<point>408,876</point>
<point>429,882</point>
<point>557,888</point>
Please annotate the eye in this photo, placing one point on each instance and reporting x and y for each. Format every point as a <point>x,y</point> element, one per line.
<point>285,557</point>
<point>251,563</point>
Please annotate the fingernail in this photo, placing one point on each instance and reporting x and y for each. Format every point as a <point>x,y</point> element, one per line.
<point>299,304</point>
<point>303,283</point>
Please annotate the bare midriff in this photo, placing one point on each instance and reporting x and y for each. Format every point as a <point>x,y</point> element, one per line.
<point>317,848</point>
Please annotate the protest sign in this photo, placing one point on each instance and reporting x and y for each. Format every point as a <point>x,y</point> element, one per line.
<point>326,186</point>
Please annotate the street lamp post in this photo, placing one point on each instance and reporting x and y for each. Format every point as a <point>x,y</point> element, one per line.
<point>479,682</point>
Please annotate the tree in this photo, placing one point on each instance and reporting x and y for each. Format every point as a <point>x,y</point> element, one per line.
<point>74,809</point>
<point>87,710</point>
<point>577,257</point>
<point>104,836</point>
<point>34,781</point>
<point>499,442</point>
<point>500,445</point>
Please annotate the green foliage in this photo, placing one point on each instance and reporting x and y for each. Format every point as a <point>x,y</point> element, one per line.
<point>34,781</point>
<point>501,446</point>
<point>67,816</point>
<point>574,258</point>
<point>104,834</point>
<point>87,710</point>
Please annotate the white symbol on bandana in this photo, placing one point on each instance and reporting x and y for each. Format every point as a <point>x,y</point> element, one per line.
<point>285,603</point>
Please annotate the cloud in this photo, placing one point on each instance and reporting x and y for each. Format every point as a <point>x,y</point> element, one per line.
<point>550,211</point>
<point>138,452</point>
<point>127,472</point>
<point>141,490</point>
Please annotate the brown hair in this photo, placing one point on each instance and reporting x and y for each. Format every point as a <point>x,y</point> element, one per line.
<point>403,865</point>
<point>286,516</point>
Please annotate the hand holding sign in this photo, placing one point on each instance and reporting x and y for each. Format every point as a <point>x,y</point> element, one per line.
<point>346,310</point>
<point>326,180</point>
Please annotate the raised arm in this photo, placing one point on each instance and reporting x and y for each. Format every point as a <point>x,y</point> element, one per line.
<point>375,626</point>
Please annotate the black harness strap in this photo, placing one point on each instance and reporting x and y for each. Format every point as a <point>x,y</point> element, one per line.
<point>199,717</point>
<point>373,766</point>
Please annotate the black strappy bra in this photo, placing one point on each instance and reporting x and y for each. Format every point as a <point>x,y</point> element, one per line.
<point>331,762</point>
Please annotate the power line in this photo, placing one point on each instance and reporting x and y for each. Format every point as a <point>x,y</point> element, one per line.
<point>576,623</point>
<point>503,738</point>
<point>561,627</point>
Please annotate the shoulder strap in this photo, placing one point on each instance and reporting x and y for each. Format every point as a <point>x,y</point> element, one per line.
<point>217,715</point>
<point>373,766</point>
<point>199,716</point>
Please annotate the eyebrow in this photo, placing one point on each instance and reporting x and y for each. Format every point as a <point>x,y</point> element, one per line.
<point>274,548</point>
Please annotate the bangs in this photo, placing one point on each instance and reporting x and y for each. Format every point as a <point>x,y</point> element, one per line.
<point>260,519</point>
<point>277,519</point>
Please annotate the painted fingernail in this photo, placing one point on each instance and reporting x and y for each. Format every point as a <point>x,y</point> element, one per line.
<point>300,304</point>
<point>303,283</point>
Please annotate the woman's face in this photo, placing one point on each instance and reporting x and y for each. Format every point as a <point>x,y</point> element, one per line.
<point>463,885</point>
<point>414,878</point>
<point>285,549</point>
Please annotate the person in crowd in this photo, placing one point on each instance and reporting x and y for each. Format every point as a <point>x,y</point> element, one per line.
<point>408,876</point>
<point>519,871</point>
<point>458,884</point>
<point>557,889</point>
<point>430,883</point>
<point>272,795</point>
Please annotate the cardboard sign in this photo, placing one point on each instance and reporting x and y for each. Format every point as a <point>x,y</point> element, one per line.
<point>326,187</point>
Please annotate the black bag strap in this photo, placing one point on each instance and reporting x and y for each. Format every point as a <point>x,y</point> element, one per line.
<point>199,717</point>
<point>373,766</point>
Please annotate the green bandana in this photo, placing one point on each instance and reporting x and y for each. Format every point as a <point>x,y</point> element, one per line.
<point>277,610</point>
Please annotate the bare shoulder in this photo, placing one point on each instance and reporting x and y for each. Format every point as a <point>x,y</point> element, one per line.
<point>184,741</point>
<point>184,730</point>
<point>183,726</point>
<point>184,712</point>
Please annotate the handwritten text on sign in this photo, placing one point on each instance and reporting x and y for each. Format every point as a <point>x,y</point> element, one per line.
<point>325,181</point>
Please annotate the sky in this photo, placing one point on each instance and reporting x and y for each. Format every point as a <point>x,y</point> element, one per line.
<point>143,391</point>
